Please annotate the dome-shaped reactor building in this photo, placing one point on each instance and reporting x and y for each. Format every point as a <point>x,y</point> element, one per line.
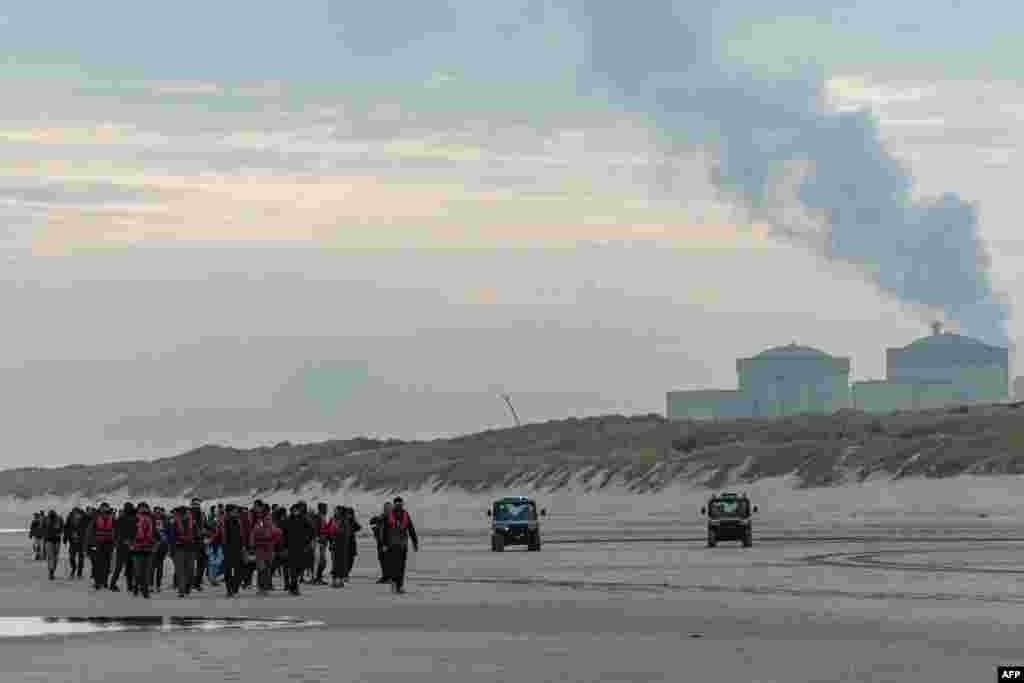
<point>784,380</point>
<point>794,380</point>
<point>935,371</point>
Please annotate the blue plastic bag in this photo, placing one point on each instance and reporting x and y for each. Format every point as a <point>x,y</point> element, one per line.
<point>215,561</point>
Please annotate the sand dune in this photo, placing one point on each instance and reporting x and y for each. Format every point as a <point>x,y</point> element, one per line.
<point>809,468</point>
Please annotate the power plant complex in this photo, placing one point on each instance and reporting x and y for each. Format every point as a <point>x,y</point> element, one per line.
<point>939,370</point>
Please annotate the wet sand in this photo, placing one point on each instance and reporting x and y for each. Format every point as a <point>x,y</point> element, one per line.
<point>879,603</point>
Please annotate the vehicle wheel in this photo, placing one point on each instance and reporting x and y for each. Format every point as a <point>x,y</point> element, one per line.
<point>498,543</point>
<point>712,541</point>
<point>534,545</point>
<point>748,540</point>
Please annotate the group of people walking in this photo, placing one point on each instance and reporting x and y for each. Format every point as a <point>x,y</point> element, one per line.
<point>242,546</point>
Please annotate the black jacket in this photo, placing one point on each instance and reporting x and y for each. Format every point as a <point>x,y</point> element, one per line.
<point>233,541</point>
<point>89,533</point>
<point>74,530</point>
<point>199,530</point>
<point>124,529</point>
<point>53,529</point>
<point>297,533</point>
<point>377,524</point>
<point>353,543</point>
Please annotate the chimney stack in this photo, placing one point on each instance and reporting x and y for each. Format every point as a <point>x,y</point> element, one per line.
<point>936,328</point>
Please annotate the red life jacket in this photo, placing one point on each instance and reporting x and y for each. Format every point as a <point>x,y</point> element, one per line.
<point>263,532</point>
<point>104,530</point>
<point>326,528</point>
<point>402,523</point>
<point>144,538</point>
<point>183,529</point>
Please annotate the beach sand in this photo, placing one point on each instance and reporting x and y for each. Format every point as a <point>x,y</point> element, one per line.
<point>626,608</point>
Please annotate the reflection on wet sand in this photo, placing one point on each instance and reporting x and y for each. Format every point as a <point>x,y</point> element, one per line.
<point>24,627</point>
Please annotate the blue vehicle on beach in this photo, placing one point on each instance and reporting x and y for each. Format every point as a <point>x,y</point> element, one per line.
<point>514,521</point>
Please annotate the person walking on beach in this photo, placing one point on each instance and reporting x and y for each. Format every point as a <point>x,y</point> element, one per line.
<point>182,541</point>
<point>309,558</point>
<point>279,517</point>
<point>124,532</point>
<point>215,546</point>
<point>298,534</point>
<point>337,549</point>
<point>232,535</point>
<point>103,537</point>
<point>53,531</point>
<point>378,524</point>
<point>352,530</point>
<point>35,533</point>
<point>263,540</point>
<point>161,528</point>
<point>325,536</point>
<point>399,530</point>
<point>74,539</point>
<point>308,566</point>
<point>249,555</point>
<point>89,540</point>
<point>199,534</point>
<point>142,549</point>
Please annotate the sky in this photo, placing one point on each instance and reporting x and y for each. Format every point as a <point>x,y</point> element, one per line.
<point>244,223</point>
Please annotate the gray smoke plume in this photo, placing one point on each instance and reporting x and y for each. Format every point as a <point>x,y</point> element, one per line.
<point>661,57</point>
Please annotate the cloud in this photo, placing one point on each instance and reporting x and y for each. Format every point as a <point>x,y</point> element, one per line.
<point>349,175</point>
<point>854,92</point>
<point>99,135</point>
<point>786,156</point>
<point>186,88</point>
<point>980,130</point>
<point>96,194</point>
<point>891,122</point>
<point>265,89</point>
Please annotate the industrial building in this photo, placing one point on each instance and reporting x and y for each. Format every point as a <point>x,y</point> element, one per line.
<point>938,370</point>
<point>785,380</point>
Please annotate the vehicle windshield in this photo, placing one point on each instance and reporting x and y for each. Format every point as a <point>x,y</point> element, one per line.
<point>512,511</point>
<point>729,507</point>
